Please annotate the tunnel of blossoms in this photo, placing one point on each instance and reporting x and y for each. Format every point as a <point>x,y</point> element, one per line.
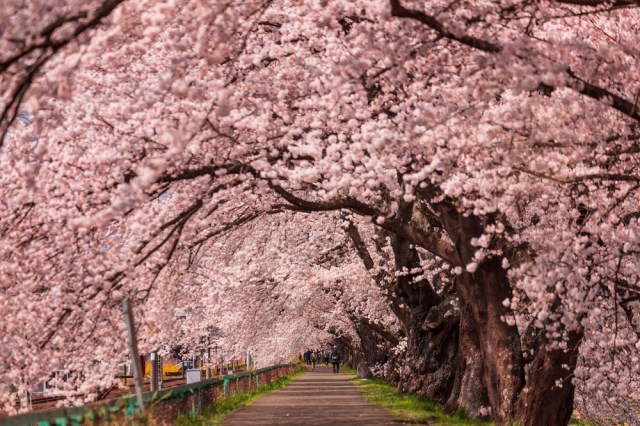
<point>448,190</point>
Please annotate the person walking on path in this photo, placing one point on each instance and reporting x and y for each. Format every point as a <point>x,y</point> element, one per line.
<point>335,360</point>
<point>313,360</point>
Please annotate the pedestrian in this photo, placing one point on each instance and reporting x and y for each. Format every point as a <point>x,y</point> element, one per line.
<point>335,360</point>
<point>327,356</point>
<point>313,359</point>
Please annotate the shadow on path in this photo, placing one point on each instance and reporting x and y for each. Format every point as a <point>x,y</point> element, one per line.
<point>316,398</point>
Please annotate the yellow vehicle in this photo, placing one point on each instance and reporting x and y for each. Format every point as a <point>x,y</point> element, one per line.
<point>169,369</point>
<point>172,368</point>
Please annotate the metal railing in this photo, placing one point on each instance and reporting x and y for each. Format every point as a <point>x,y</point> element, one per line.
<point>164,406</point>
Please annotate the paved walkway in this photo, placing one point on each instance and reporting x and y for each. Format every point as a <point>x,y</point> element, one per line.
<point>315,398</point>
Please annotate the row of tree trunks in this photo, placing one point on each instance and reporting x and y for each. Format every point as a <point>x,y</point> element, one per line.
<point>470,358</point>
<point>538,400</point>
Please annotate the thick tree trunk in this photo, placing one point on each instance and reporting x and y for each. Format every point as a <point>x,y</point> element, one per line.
<point>503,371</point>
<point>434,366</point>
<point>432,337</point>
<point>431,358</point>
<point>484,290</point>
<point>547,400</point>
<point>468,390</point>
<point>444,360</point>
<point>370,353</point>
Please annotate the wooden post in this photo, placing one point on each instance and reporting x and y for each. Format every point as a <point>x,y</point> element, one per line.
<point>133,348</point>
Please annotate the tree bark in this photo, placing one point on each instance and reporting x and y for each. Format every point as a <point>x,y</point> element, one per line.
<point>371,343</point>
<point>484,290</point>
<point>431,359</point>
<point>432,336</point>
<point>468,390</point>
<point>547,398</point>
<point>503,371</point>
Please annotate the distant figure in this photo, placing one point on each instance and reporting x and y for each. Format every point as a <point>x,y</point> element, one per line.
<point>327,356</point>
<point>307,357</point>
<point>313,359</point>
<point>335,360</point>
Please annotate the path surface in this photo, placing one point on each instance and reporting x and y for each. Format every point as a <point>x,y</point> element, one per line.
<point>315,398</point>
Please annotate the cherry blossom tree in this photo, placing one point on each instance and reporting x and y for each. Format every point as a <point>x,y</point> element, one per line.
<point>475,163</point>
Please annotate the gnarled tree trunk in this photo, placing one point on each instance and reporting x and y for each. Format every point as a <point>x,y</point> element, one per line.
<point>547,399</point>
<point>432,338</point>
<point>468,390</point>
<point>483,290</point>
<point>372,339</point>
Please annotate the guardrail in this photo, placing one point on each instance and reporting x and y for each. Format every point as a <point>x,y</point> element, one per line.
<point>163,406</point>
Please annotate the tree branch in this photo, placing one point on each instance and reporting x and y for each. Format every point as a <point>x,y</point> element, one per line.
<point>430,241</point>
<point>626,107</point>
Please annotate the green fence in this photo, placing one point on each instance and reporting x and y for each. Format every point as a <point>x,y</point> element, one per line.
<point>163,406</point>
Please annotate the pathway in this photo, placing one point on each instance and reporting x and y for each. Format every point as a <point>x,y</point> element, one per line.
<point>315,398</point>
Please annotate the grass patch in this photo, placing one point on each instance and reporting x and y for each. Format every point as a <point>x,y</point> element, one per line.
<point>215,413</point>
<point>407,406</point>
<point>413,408</point>
<point>582,422</point>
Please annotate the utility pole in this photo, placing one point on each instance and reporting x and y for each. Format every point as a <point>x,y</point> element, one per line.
<point>133,348</point>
